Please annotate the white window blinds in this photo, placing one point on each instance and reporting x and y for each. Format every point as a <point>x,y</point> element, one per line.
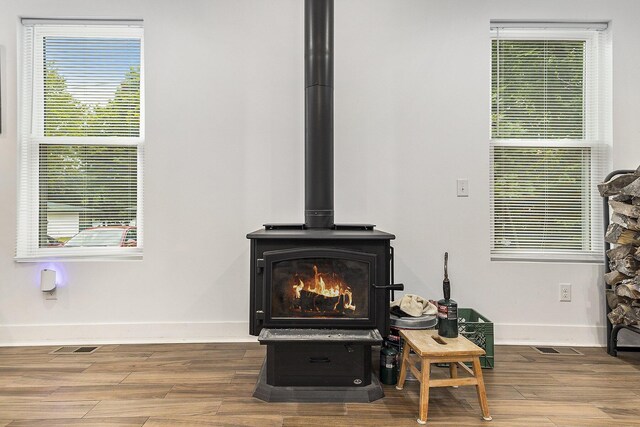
<point>81,140</point>
<point>550,128</point>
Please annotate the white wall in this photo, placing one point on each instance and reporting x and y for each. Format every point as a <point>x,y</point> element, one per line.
<point>224,154</point>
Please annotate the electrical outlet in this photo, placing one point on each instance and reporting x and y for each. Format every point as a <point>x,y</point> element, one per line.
<point>51,295</point>
<point>463,187</point>
<point>565,292</point>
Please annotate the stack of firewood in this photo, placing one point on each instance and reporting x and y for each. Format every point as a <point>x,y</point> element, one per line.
<point>623,233</point>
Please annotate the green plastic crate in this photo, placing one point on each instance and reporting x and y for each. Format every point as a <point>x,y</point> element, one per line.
<point>479,330</point>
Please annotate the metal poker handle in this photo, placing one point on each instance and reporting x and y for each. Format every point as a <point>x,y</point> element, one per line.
<point>446,265</point>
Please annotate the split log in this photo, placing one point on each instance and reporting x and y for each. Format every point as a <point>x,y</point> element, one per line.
<point>626,314</point>
<point>617,314</point>
<point>620,252</point>
<point>313,302</point>
<point>614,300</point>
<point>625,209</point>
<point>625,221</point>
<point>614,185</point>
<point>627,265</point>
<point>614,277</point>
<point>622,198</point>
<point>632,317</point>
<point>635,201</point>
<point>633,189</point>
<point>621,236</point>
<point>628,289</point>
<point>637,254</point>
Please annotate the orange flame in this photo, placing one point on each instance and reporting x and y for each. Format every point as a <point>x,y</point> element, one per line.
<point>332,287</point>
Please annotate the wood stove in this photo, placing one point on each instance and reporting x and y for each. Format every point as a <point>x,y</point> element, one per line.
<point>319,296</point>
<point>319,301</point>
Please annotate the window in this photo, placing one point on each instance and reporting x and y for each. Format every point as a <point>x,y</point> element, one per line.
<point>81,140</point>
<point>550,129</point>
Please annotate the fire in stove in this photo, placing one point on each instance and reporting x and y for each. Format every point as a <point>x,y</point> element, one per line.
<point>320,295</point>
<point>320,288</point>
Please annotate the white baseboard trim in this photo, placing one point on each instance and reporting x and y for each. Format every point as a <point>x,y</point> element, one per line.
<point>560,335</point>
<point>124,333</point>
<point>200,332</point>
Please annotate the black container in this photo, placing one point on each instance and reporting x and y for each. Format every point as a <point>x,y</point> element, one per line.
<point>447,308</point>
<point>388,365</point>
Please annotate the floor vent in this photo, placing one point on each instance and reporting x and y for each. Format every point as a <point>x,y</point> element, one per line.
<point>558,351</point>
<point>75,350</point>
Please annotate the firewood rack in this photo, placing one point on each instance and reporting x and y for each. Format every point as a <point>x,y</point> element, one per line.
<point>613,330</point>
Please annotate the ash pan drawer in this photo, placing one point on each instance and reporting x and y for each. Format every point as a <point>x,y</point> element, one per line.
<point>319,359</point>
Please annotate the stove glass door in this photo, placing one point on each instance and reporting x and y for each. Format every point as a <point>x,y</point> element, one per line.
<point>330,285</point>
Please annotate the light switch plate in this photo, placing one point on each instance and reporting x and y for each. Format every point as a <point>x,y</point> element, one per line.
<point>463,187</point>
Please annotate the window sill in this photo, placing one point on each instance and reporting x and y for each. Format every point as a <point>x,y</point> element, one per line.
<point>549,258</point>
<point>55,255</point>
<point>78,259</point>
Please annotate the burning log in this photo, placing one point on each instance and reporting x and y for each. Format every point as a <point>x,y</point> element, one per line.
<point>311,301</point>
<point>623,279</point>
<point>324,294</point>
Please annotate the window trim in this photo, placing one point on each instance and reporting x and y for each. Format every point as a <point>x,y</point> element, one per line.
<point>31,137</point>
<point>596,135</point>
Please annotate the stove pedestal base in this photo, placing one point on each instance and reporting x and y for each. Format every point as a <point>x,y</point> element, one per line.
<point>338,394</point>
<point>318,365</point>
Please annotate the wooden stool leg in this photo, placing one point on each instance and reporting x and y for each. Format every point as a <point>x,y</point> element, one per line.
<point>425,368</point>
<point>405,365</point>
<point>482,394</point>
<point>453,371</point>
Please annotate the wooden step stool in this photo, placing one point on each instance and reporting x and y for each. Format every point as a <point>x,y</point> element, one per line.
<point>431,348</point>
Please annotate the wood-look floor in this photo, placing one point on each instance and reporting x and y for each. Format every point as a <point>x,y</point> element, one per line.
<point>212,384</point>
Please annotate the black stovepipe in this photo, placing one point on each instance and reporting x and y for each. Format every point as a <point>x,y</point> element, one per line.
<point>318,60</point>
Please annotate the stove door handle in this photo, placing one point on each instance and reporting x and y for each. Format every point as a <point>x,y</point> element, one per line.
<point>393,287</point>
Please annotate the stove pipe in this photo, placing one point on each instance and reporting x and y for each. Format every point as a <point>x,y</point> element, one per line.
<point>318,64</point>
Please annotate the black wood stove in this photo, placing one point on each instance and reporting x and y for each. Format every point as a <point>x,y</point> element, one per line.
<point>319,291</point>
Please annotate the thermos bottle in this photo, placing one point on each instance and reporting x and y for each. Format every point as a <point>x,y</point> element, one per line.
<point>447,308</point>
